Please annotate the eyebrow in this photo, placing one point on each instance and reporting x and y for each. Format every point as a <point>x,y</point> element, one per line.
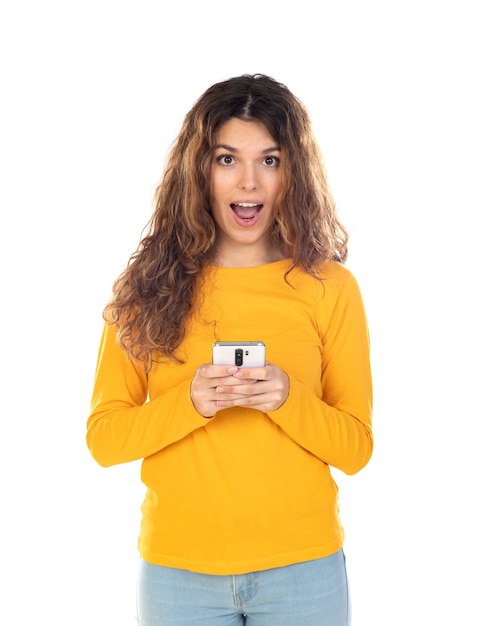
<point>233,149</point>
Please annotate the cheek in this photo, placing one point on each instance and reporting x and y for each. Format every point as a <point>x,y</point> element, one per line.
<point>273,182</point>
<point>214,193</point>
<point>216,186</point>
<point>278,184</point>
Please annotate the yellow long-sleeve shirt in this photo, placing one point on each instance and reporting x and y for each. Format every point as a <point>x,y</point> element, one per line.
<point>244,490</point>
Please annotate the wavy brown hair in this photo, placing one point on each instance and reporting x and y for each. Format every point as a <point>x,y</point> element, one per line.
<point>154,296</point>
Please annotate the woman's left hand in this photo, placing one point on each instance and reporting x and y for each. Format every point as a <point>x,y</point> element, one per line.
<point>267,393</point>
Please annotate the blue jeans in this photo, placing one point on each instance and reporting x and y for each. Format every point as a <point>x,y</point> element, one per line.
<point>313,593</point>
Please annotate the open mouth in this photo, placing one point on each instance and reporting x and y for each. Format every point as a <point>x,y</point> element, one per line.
<point>246,211</point>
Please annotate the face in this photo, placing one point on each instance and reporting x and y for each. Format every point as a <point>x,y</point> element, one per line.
<point>244,184</point>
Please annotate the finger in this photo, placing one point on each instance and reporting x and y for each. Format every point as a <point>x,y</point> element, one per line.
<point>248,373</point>
<point>239,388</point>
<point>217,371</point>
<point>231,400</point>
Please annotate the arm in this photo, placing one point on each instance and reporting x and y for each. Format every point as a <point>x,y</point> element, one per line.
<point>336,427</point>
<point>123,426</point>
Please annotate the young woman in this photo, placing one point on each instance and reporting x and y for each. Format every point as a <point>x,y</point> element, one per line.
<point>240,521</point>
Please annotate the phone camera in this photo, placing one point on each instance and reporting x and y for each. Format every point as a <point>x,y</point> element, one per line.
<point>239,357</point>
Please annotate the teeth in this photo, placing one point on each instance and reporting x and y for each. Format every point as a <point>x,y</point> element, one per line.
<point>247,205</point>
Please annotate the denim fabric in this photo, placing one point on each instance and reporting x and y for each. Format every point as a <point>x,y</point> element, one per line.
<point>313,593</point>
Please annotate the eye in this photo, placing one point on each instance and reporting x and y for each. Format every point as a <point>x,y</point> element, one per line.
<point>271,161</point>
<point>225,159</point>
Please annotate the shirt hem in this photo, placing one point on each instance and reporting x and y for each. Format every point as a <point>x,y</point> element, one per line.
<point>226,568</point>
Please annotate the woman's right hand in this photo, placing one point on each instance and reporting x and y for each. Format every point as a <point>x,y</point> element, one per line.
<point>208,378</point>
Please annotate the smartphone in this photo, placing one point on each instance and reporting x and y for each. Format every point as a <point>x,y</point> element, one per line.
<point>239,353</point>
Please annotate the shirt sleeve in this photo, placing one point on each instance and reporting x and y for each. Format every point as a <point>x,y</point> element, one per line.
<point>124,425</point>
<point>336,427</point>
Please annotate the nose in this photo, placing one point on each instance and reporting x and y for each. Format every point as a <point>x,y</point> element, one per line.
<point>247,181</point>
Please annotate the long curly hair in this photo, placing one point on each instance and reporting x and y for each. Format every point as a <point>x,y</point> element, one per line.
<point>154,296</point>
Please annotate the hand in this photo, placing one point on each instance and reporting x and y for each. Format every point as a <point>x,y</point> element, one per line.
<point>207,380</point>
<point>216,387</point>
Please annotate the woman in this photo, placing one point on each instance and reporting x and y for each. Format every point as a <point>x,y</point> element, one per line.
<point>240,521</point>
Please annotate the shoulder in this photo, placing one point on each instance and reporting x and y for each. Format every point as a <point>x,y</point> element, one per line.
<point>336,276</point>
<point>334,271</point>
<point>339,286</point>
<point>332,287</point>
<point>330,276</point>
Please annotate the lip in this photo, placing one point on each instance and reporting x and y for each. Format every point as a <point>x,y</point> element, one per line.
<point>246,212</point>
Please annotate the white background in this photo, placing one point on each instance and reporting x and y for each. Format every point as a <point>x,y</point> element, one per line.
<point>93,93</point>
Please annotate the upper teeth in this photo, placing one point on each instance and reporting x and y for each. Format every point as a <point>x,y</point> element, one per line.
<point>247,204</point>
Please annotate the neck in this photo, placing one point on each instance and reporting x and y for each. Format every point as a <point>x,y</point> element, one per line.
<point>246,256</point>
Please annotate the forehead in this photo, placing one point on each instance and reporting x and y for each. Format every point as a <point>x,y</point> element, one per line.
<point>244,133</point>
